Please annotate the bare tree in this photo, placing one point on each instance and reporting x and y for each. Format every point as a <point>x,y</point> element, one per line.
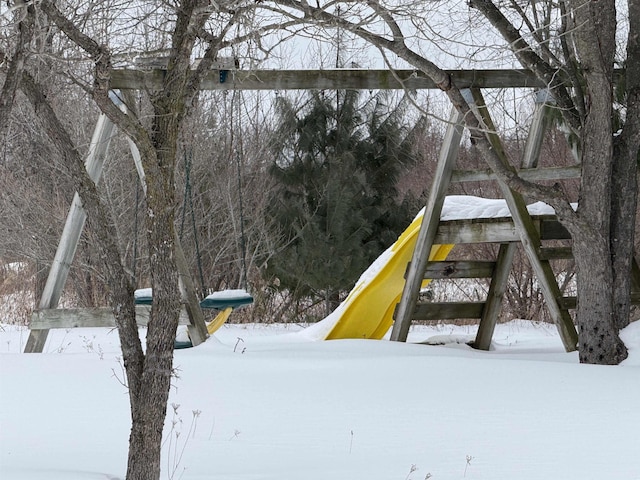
<point>182,31</point>
<point>580,75</point>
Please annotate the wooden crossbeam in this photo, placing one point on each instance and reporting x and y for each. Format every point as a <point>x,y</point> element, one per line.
<point>495,230</point>
<point>349,79</point>
<point>533,174</point>
<point>335,79</point>
<point>571,302</point>
<point>556,253</point>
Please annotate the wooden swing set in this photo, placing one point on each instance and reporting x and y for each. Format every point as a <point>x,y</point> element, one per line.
<point>532,232</point>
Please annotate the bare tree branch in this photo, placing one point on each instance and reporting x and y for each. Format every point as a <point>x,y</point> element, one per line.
<point>553,77</point>
<point>442,79</point>
<point>24,27</point>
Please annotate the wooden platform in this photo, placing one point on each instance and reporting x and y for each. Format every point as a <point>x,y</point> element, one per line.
<point>496,230</point>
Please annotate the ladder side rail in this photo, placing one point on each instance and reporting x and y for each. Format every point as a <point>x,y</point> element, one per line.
<point>428,227</point>
<point>495,295</point>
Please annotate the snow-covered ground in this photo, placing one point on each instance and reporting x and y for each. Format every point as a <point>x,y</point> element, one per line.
<point>269,402</point>
<point>274,402</point>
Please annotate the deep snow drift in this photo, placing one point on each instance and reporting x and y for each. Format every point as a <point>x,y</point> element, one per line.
<point>265,402</point>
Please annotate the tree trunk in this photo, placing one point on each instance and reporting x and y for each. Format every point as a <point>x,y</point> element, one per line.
<point>593,250</point>
<point>149,403</point>
<point>623,223</point>
<point>626,156</point>
<point>598,338</point>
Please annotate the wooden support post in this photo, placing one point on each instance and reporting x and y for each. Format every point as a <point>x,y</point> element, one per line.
<point>197,326</point>
<point>539,125</point>
<point>538,128</point>
<point>428,228</point>
<point>529,237</point>
<point>71,233</point>
<point>493,305</point>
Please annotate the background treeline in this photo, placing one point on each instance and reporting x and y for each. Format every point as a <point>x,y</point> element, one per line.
<point>288,196</point>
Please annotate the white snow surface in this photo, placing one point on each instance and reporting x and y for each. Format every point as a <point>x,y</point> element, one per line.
<point>228,294</point>
<point>459,207</point>
<point>143,293</point>
<point>265,402</point>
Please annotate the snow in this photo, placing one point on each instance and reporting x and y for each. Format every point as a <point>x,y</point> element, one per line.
<point>230,294</point>
<point>220,295</point>
<point>265,402</point>
<point>460,207</point>
<point>143,293</point>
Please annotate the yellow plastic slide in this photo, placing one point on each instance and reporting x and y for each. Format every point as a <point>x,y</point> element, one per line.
<point>368,310</point>
<point>221,318</point>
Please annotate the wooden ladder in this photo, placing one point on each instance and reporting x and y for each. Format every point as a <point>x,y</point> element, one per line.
<point>528,234</point>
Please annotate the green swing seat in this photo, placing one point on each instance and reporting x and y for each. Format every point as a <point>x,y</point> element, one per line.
<point>221,300</point>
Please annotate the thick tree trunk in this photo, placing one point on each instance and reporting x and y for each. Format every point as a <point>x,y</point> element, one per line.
<point>593,250</point>
<point>149,403</point>
<point>598,337</point>
<point>626,156</point>
<point>149,400</point>
<point>148,374</point>
<point>623,222</point>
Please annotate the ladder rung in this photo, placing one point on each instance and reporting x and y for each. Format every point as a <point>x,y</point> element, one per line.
<point>460,269</point>
<point>568,303</point>
<point>447,310</point>
<point>552,229</point>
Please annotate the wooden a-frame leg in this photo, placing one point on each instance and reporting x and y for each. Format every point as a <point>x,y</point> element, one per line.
<point>70,237</point>
<point>197,326</point>
<point>499,280</point>
<point>530,238</point>
<point>493,305</point>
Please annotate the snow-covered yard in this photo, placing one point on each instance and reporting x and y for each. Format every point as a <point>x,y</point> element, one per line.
<point>271,402</point>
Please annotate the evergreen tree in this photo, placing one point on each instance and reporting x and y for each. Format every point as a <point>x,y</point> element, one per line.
<point>336,165</point>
